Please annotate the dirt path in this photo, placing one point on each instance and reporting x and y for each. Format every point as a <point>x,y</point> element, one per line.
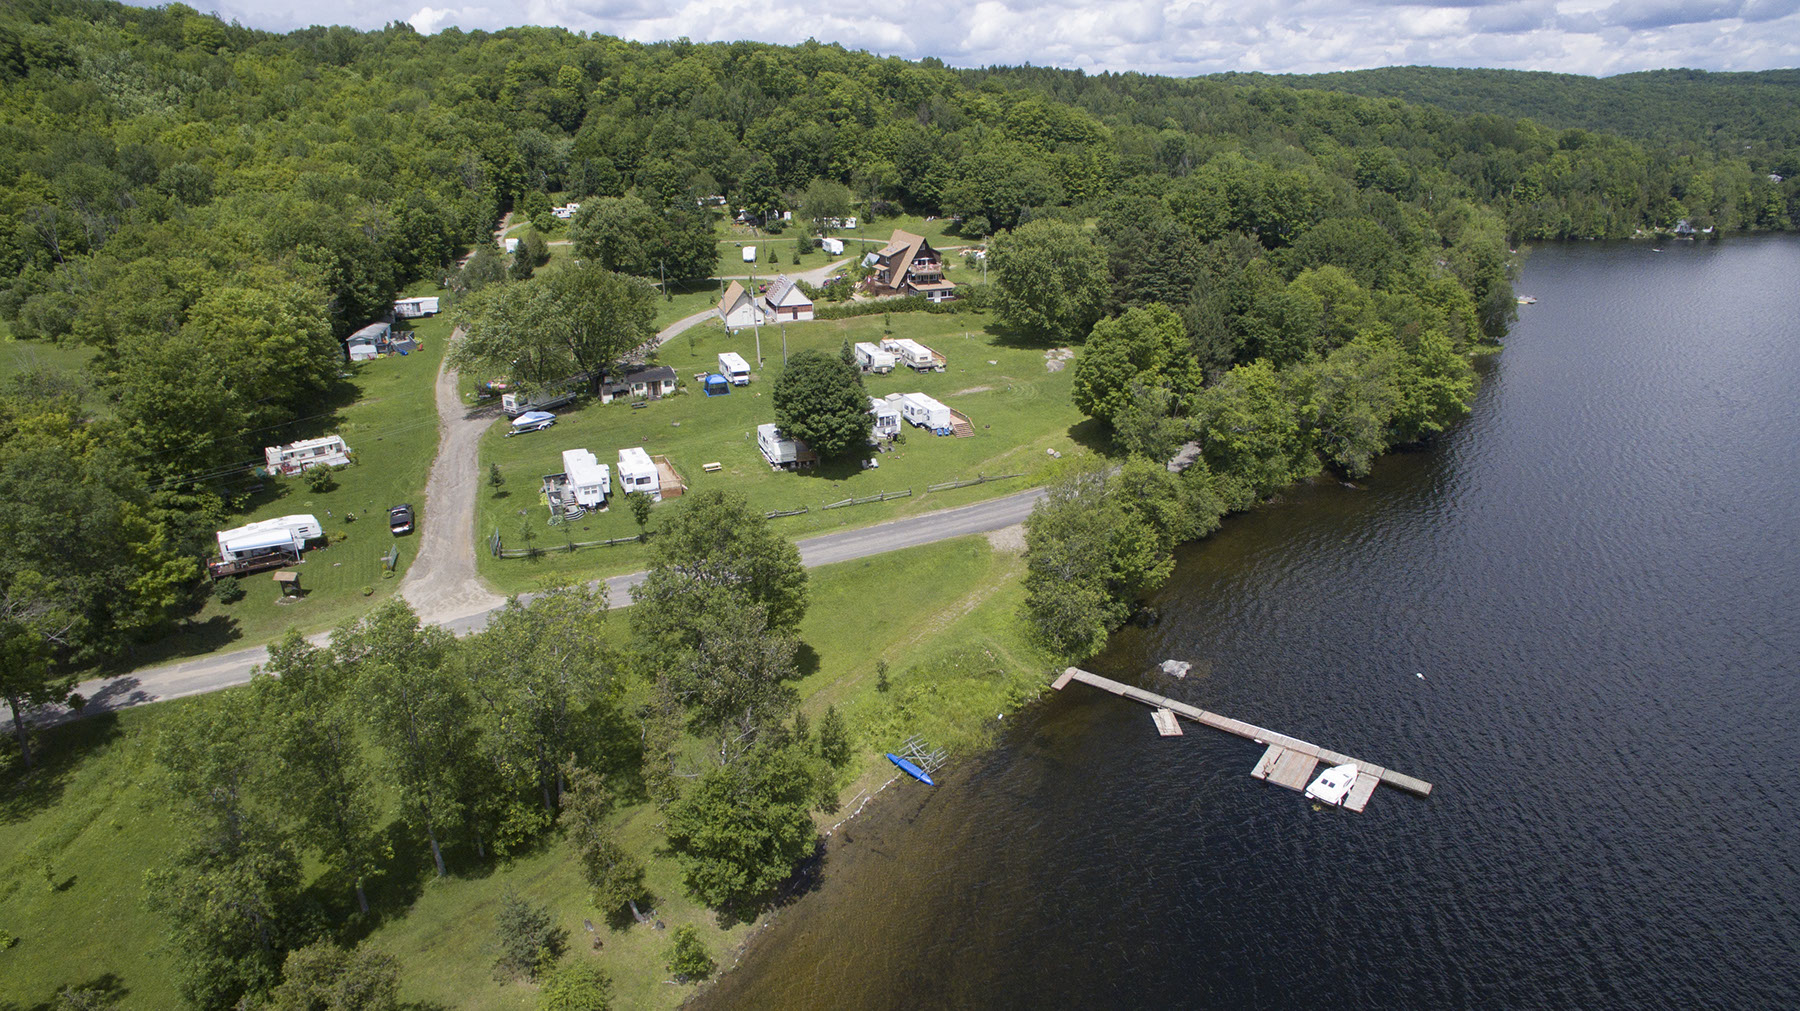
<point>441,583</point>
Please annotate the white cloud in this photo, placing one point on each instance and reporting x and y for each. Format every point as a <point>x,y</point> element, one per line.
<point>1177,37</point>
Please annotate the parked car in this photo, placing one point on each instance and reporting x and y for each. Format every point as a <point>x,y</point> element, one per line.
<point>400,519</point>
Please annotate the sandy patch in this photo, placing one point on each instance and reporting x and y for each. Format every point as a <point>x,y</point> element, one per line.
<point>972,389</point>
<point>1008,539</point>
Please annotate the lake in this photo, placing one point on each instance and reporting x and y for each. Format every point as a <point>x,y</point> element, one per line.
<point>1596,575</point>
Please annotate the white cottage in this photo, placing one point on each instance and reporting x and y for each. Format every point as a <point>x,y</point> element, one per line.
<point>589,479</point>
<point>738,309</point>
<point>925,412</point>
<point>887,416</point>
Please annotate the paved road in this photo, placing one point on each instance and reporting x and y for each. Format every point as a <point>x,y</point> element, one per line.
<point>223,670</point>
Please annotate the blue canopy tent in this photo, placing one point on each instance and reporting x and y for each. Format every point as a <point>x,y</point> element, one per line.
<point>717,385</point>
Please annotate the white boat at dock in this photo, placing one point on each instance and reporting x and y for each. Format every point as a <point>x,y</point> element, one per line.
<point>1333,785</point>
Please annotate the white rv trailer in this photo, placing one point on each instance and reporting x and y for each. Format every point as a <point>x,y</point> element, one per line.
<point>306,454</point>
<point>925,412</point>
<point>410,308</point>
<point>782,452</point>
<point>266,537</point>
<point>637,473</point>
<point>589,479</point>
<point>916,356</point>
<point>749,254</point>
<point>872,359</point>
<point>734,368</point>
<point>833,246</point>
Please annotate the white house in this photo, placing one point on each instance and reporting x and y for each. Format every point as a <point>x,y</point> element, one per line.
<point>872,359</point>
<point>833,246</point>
<point>589,479</point>
<point>887,417</point>
<point>734,368</point>
<point>306,454</point>
<point>637,473</point>
<point>925,412</point>
<point>782,452</point>
<point>786,302</point>
<point>738,309</point>
<point>284,534</point>
<point>916,356</point>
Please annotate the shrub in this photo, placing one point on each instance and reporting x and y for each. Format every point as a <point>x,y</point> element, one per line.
<point>231,591</point>
<point>688,959</point>
<point>529,943</point>
<point>321,479</point>
<point>578,986</point>
<point>368,590</point>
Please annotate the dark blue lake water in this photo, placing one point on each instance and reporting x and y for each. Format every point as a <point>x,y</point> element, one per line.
<point>1598,575</point>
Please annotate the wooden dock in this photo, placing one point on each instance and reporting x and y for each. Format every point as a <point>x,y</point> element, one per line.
<point>1288,762</point>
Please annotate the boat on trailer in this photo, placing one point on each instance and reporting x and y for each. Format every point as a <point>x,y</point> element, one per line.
<point>910,769</point>
<point>1334,784</point>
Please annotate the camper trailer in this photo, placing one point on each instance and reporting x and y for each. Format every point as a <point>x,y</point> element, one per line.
<point>733,367</point>
<point>833,246</point>
<point>265,544</point>
<point>916,356</point>
<point>412,308</point>
<point>590,481</point>
<point>749,254</point>
<point>782,452</point>
<point>872,359</point>
<point>637,473</point>
<point>925,412</point>
<point>887,417</point>
<point>306,454</point>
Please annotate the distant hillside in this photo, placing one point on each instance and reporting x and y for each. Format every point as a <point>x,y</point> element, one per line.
<point>1750,115</point>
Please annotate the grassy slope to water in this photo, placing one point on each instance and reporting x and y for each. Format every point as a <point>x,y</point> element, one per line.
<point>944,617</point>
<point>1018,407</point>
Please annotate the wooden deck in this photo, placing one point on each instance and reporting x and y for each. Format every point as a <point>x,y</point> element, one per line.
<point>1166,723</point>
<point>1288,761</point>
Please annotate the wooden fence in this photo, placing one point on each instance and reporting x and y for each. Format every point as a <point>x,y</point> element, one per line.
<point>881,496</point>
<point>501,551</point>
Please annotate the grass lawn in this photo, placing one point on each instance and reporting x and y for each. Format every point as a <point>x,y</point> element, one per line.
<point>389,418</point>
<point>1019,410</point>
<point>91,810</point>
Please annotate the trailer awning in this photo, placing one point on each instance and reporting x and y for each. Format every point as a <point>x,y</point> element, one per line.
<point>255,540</point>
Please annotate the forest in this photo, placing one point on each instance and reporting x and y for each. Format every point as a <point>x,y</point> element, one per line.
<point>1285,277</point>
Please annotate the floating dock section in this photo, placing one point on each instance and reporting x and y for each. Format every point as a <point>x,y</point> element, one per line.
<point>1288,761</point>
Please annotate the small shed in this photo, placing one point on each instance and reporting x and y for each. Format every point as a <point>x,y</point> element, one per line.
<point>637,473</point>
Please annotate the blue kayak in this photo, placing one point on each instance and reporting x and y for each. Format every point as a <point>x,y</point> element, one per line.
<point>910,769</point>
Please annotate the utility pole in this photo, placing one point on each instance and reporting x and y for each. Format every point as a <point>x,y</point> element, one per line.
<point>784,344</point>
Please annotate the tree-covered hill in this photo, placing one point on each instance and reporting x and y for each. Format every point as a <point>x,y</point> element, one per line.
<point>1752,115</point>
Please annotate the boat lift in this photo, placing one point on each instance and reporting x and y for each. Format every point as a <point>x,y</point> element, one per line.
<point>918,759</point>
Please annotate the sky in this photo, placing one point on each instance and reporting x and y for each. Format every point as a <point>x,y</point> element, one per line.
<point>1597,37</point>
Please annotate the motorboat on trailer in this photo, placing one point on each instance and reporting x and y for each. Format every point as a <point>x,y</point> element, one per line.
<point>1333,785</point>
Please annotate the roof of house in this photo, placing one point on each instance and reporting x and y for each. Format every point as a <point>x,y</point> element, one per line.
<point>648,373</point>
<point>372,330</point>
<point>781,288</point>
<point>734,295</point>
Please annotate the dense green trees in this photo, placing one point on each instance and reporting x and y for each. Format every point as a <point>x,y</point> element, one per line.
<point>820,400</point>
<point>578,318</point>
<point>1049,280</point>
<point>627,235</point>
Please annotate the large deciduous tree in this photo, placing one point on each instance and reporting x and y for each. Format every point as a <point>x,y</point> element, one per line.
<point>821,400</point>
<point>744,827</point>
<point>573,319</point>
<point>1049,279</point>
<point>1145,347</point>
<point>627,235</point>
<point>417,712</point>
